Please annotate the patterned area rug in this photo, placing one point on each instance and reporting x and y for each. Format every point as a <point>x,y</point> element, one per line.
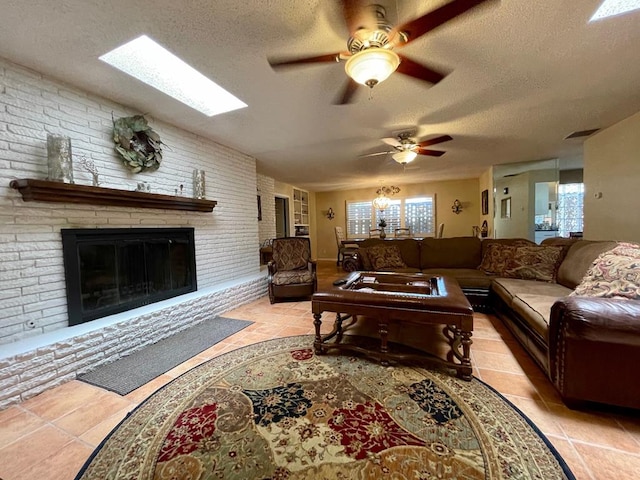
<point>275,410</point>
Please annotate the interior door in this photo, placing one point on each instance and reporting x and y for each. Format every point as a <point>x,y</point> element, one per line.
<point>282,217</point>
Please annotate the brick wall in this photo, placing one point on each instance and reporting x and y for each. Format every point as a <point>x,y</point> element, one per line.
<point>32,292</point>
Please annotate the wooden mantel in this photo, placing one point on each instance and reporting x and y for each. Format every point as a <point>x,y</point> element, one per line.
<point>48,191</point>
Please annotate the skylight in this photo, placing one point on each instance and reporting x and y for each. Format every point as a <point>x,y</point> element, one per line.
<point>609,8</point>
<point>152,64</point>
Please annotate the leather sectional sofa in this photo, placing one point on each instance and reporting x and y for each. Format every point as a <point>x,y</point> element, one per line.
<point>589,347</point>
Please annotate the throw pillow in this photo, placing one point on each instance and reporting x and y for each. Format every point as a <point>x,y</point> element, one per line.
<point>496,259</point>
<point>536,262</point>
<point>614,274</point>
<point>385,257</point>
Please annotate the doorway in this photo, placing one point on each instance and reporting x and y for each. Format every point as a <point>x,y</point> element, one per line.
<point>282,217</point>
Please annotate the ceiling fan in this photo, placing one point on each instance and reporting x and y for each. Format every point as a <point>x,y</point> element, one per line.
<point>370,58</point>
<point>406,149</point>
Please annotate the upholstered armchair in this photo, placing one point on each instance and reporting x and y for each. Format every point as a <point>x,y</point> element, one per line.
<point>292,273</point>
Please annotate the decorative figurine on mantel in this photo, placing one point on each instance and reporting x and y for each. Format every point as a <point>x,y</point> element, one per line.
<point>90,167</point>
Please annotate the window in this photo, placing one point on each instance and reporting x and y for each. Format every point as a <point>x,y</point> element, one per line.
<point>391,215</point>
<point>417,213</point>
<point>570,208</point>
<point>359,219</point>
<point>420,216</point>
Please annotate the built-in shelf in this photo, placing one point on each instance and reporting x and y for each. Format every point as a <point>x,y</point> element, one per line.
<point>59,192</point>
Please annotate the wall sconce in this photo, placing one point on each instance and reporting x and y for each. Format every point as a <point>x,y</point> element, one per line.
<point>330,214</point>
<point>456,207</point>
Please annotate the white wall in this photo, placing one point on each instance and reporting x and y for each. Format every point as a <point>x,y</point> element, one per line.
<point>611,178</point>
<point>32,290</point>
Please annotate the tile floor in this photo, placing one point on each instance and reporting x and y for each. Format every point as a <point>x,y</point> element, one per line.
<point>50,436</point>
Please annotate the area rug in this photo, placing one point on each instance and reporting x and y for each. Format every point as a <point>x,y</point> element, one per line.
<point>133,371</point>
<point>275,410</point>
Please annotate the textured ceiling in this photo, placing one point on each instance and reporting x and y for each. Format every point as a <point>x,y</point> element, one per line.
<point>523,75</point>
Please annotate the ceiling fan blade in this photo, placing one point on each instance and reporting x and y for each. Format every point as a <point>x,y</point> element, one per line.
<point>373,154</point>
<point>416,70</point>
<point>347,93</point>
<point>330,57</point>
<point>357,16</point>
<point>431,153</point>
<point>421,25</point>
<point>433,141</point>
<point>392,141</point>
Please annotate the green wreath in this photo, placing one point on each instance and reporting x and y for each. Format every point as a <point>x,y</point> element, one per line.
<point>138,145</point>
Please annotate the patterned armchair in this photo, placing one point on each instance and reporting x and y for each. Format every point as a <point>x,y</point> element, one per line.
<point>292,273</point>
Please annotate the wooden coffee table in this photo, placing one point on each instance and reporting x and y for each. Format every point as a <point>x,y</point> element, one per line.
<point>403,298</point>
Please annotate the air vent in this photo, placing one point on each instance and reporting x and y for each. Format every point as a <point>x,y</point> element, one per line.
<point>581,133</point>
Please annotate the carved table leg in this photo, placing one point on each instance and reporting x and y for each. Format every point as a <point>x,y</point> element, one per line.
<point>466,372</point>
<point>317,344</point>
<point>383,331</point>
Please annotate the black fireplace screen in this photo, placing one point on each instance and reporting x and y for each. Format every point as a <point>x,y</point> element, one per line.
<point>112,270</point>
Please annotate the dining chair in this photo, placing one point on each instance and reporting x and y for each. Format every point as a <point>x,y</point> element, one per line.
<point>375,233</point>
<point>403,232</point>
<point>347,249</point>
<point>440,230</point>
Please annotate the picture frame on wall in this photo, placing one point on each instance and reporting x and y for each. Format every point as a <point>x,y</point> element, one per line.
<point>485,202</point>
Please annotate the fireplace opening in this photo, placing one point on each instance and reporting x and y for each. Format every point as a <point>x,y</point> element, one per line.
<point>111,270</point>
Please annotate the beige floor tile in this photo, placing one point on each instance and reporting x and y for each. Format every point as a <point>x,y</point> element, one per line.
<point>572,458</point>
<point>92,413</point>
<point>57,402</point>
<point>539,414</point>
<point>96,434</point>
<point>605,464</point>
<point>63,465</point>
<point>16,426</point>
<point>31,449</point>
<point>594,428</point>
<point>496,361</point>
<point>139,394</point>
<point>185,366</point>
<point>509,383</point>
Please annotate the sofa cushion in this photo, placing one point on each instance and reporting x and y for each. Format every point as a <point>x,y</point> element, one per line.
<point>614,274</point>
<point>536,311</point>
<point>385,257</point>
<point>466,277</point>
<point>292,277</point>
<point>535,262</point>
<point>409,251</point>
<point>454,252</point>
<point>579,259</point>
<point>508,288</point>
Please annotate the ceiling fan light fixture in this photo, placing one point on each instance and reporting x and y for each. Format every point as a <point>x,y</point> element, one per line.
<point>372,66</point>
<point>404,156</point>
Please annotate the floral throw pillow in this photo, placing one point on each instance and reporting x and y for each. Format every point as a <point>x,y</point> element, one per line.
<point>497,258</point>
<point>535,262</point>
<point>385,257</point>
<point>614,274</point>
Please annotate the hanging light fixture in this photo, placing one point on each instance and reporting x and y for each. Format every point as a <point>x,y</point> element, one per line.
<point>372,66</point>
<point>381,202</point>
<point>405,156</point>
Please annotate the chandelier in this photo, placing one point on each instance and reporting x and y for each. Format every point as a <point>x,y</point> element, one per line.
<point>381,202</point>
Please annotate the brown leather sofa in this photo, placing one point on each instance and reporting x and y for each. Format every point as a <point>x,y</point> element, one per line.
<point>588,347</point>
